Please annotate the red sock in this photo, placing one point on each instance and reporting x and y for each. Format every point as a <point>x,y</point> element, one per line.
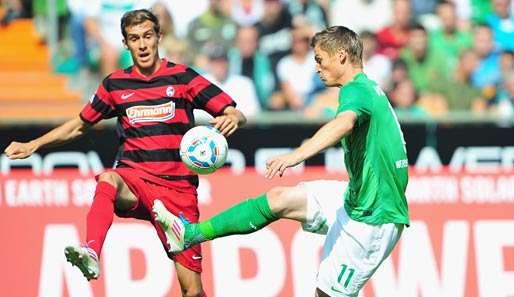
<point>99,218</point>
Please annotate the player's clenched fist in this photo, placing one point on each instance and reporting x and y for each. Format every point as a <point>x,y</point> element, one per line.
<point>20,150</point>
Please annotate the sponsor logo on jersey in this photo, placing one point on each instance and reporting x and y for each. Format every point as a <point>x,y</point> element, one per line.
<point>154,113</point>
<point>170,91</point>
<point>126,96</point>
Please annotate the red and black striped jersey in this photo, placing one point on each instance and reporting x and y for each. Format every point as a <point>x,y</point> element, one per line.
<point>153,114</point>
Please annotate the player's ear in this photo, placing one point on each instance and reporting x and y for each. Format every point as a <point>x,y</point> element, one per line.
<point>342,56</point>
<point>125,43</point>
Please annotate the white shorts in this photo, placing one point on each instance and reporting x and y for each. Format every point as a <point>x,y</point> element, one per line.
<point>353,250</point>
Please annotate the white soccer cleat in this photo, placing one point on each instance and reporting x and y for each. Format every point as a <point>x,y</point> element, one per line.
<point>85,259</point>
<point>172,226</point>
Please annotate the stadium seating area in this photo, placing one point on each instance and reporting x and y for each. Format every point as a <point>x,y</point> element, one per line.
<point>433,58</point>
<point>28,85</point>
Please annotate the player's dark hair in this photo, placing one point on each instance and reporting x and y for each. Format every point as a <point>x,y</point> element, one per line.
<point>482,25</point>
<point>446,2</point>
<point>136,17</point>
<point>339,37</point>
<point>418,27</point>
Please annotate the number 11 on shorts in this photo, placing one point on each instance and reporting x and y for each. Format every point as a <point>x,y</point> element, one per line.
<point>346,277</point>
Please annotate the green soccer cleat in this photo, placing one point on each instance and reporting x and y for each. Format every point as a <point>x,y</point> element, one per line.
<point>172,226</point>
<point>85,259</point>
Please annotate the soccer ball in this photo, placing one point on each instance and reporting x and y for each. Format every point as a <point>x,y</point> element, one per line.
<point>203,149</point>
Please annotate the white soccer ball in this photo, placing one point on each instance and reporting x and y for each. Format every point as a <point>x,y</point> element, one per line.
<point>203,149</point>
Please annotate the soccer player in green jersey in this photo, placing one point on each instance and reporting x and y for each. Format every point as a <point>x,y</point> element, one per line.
<point>362,219</point>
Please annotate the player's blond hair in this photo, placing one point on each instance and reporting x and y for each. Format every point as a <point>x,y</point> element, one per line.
<point>334,38</point>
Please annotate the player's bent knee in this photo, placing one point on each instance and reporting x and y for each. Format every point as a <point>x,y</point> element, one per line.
<point>192,292</point>
<point>276,200</point>
<point>110,177</point>
<point>287,202</point>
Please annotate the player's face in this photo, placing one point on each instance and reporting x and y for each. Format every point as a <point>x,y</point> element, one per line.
<point>142,41</point>
<point>329,67</point>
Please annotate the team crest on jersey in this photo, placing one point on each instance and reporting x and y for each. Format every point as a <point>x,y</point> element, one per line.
<point>153,113</point>
<point>170,91</point>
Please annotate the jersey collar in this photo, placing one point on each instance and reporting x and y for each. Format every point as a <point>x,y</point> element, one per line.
<point>162,66</point>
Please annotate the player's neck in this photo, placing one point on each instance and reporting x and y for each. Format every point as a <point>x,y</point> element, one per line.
<point>148,71</point>
<point>349,75</point>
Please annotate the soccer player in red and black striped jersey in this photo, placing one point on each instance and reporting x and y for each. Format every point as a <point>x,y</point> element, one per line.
<point>153,102</point>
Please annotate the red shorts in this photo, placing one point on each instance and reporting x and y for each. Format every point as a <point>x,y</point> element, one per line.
<point>181,202</point>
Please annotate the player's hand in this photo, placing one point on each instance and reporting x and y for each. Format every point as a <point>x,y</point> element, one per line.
<point>226,124</point>
<point>20,150</point>
<point>278,165</point>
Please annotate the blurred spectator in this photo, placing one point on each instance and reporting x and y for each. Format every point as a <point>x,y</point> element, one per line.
<point>376,66</point>
<point>399,72</point>
<point>174,48</point>
<point>102,26</point>
<point>457,89</point>
<point>165,19</point>
<point>247,12</point>
<point>505,103</point>
<point>361,15</point>
<point>449,40</point>
<point>275,32</point>
<point>487,74</point>
<point>181,12</point>
<point>423,64</point>
<point>296,73</point>
<point>502,24</point>
<point>480,9</point>
<point>422,8</point>
<point>506,66</point>
<point>463,12</point>
<point>215,26</point>
<point>506,61</point>
<point>78,33</point>
<point>16,9</point>
<point>240,88</point>
<point>245,59</point>
<point>395,36</point>
<point>40,11</point>
<point>404,99</point>
<point>308,12</point>
<point>324,104</point>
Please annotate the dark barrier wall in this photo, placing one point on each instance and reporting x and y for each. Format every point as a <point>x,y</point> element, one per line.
<point>446,139</point>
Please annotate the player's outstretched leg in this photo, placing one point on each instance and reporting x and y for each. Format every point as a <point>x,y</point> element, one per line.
<point>85,258</point>
<point>243,218</point>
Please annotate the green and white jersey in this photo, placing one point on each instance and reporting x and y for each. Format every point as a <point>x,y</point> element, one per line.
<point>375,156</point>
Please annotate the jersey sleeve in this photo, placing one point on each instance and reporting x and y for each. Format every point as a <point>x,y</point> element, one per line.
<point>350,98</point>
<point>206,95</point>
<point>100,106</point>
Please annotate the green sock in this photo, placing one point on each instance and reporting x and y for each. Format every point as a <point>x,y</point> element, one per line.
<point>246,217</point>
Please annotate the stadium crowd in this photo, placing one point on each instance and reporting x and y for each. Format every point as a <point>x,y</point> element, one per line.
<point>431,57</point>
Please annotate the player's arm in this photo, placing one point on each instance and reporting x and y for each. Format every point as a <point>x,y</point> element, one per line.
<point>61,134</point>
<point>229,121</point>
<point>326,136</point>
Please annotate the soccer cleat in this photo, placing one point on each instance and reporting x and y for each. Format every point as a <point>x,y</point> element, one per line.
<point>172,226</point>
<point>85,259</point>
